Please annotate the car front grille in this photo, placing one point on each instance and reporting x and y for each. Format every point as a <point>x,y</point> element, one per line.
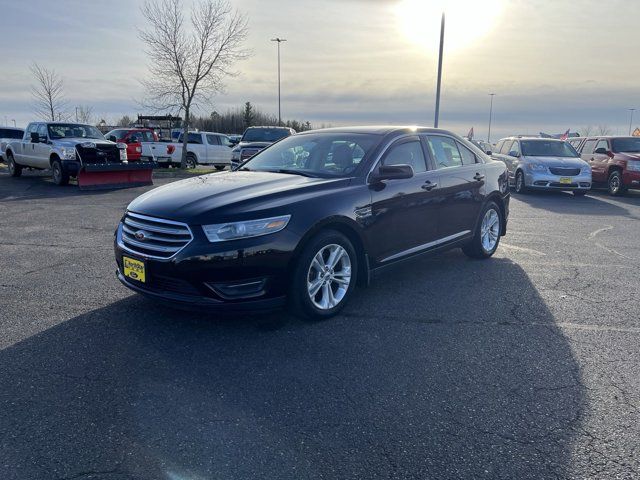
<point>248,152</point>
<point>100,154</point>
<point>154,237</point>
<point>569,172</point>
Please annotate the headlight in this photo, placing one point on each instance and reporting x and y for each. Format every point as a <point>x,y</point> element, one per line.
<point>123,150</point>
<point>69,153</point>
<point>586,170</point>
<point>222,232</point>
<point>633,165</point>
<point>537,167</point>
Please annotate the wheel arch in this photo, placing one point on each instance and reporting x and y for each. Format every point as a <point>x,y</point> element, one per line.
<point>52,157</point>
<point>349,229</point>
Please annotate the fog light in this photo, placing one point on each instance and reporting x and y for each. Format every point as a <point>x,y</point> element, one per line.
<point>238,290</point>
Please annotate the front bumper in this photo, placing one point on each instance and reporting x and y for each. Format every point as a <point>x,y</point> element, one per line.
<point>243,275</point>
<point>548,181</point>
<point>631,179</point>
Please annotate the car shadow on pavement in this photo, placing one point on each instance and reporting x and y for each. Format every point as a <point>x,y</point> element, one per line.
<point>449,368</point>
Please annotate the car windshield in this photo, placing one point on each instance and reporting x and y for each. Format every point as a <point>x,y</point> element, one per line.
<point>628,145</point>
<point>315,155</point>
<point>73,130</point>
<point>265,134</point>
<point>547,148</point>
<point>119,134</point>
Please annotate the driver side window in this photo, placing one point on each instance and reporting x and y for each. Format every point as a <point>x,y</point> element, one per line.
<point>407,153</point>
<point>515,148</point>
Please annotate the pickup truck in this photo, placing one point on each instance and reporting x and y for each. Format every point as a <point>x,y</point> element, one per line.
<point>142,144</point>
<point>204,148</point>
<point>65,148</point>
<point>255,139</point>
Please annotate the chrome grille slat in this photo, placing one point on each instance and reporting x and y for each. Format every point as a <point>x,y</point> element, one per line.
<point>162,238</point>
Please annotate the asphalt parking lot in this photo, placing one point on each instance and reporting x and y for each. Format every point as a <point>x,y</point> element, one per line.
<point>523,366</point>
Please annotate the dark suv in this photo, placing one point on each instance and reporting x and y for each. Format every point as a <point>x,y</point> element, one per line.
<point>255,139</point>
<point>615,161</point>
<point>309,217</point>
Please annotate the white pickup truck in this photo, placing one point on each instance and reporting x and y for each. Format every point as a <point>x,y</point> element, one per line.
<point>204,148</point>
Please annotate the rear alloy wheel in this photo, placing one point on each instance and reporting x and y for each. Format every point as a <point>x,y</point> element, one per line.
<point>15,170</point>
<point>325,276</point>
<point>192,162</point>
<point>615,185</point>
<point>487,236</point>
<point>60,177</point>
<point>520,185</point>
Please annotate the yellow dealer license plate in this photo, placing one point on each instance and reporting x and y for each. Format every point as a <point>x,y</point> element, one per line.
<point>565,179</point>
<point>134,269</point>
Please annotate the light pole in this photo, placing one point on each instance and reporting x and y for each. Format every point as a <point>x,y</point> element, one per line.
<point>631,119</point>
<point>279,40</point>
<point>490,115</point>
<point>14,123</point>
<point>435,122</point>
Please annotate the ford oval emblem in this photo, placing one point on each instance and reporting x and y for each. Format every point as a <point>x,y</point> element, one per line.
<point>140,235</point>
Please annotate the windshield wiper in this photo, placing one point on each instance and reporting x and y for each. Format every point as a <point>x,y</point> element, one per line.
<point>293,172</point>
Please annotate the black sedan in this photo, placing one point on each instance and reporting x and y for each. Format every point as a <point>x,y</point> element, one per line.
<point>310,217</point>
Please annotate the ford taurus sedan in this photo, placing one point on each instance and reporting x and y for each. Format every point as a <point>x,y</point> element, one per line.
<point>310,217</point>
<point>544,164</point>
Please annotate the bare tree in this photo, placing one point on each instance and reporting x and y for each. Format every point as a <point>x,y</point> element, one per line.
<point>48,98</point>
<point>603,130</point>
<point>84,114</point>
<point>586,131</point>
<point>188,63</point>
<point>125,121</point>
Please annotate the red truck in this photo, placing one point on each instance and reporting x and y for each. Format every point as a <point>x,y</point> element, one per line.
<point>134,137</point>
<point>614,161</point>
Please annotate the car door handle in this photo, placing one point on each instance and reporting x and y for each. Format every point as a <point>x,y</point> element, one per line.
<point>478,176</point>
<point>428,186</point>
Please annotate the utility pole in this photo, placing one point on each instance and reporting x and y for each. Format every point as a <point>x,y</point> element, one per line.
<point>435,123</point>
<point>279,40</point>
<point>76,114</point>
<point>490,115</point>
<point>631,119</point>
<point>14,123</point>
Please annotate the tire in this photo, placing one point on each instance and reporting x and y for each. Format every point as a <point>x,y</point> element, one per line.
<point>220,167</point>
<point>60,176</point>
<point>580,193</point>
<point>520,186</point>
<point>312,270</point>
<point>15,170</point>
<point>615,186</point>
<point>192,161</point>
<point>486,239</point>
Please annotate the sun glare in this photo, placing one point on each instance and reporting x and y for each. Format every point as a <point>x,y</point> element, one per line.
<point>467,21</point>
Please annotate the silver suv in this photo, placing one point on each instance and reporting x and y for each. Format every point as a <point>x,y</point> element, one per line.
<point>543,164</point>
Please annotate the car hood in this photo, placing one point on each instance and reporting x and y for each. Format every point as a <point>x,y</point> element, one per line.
<point>254,144</point>
<point>628,156</point>
<point>72,142</point>
<point>220,196</point>
<point>558,161</point>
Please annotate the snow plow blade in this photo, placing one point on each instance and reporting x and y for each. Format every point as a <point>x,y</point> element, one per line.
<point>116,175</point>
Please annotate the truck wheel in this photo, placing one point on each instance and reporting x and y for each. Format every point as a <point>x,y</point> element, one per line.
<point>15,170</point>
<point>220,167</point>
<point>324,277</point>
<point>60,177</point>
<point>615,185</point>
<point>192,161</point>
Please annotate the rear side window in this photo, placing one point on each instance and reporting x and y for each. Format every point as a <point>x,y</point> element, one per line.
<point>10,133</point>
<point>444,151</point>
<point>194,138</point>
<point>407,153</point>
<point>468,157</point>
<point>588,146</point>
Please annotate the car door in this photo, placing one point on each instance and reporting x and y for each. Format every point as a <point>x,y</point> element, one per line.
<point>214,149</point>
<point>26,154</point>
<point>599,161</point>
<point>225,148</point>
<point>461,188</point>
<point>42,149</point>
<point>404,212</point>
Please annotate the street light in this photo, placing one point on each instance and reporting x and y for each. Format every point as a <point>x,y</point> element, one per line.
<point>490,115</point>
<point>631,119</point>
<point>279,40</point>
<point>14,123</point>
<point>435,122</point>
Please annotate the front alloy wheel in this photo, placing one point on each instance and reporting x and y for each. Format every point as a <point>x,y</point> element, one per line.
<point>325,276</point>
<point>520,185</point>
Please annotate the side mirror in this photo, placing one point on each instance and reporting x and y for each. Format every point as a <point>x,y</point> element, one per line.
<point>35,138</point>
<point>601,151</point>
<point>392,172</point>
<point>489,152</point>
<point>513,153</point>
<point>112,138</point>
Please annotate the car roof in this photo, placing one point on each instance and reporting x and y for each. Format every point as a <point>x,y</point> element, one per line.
<point>12,128</point>
<point>381,130</point>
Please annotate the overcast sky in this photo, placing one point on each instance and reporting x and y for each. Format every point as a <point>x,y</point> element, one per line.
<point>553,65</point>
